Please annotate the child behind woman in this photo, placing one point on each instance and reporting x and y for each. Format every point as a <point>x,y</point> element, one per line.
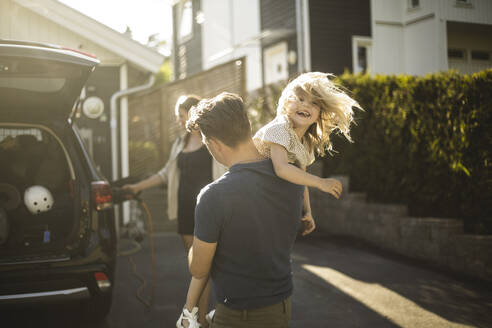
<point>310,108</point>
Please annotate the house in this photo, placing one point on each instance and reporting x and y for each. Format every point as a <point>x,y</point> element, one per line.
<point>280,38</point>
<point>125,64</point>
<point>207,33</point>
<point>421,36</point>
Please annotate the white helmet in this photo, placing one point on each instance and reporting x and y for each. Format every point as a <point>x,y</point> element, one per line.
<point>38,199</point>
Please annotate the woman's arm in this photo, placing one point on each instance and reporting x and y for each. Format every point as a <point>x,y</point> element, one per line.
<point>152,181</point>
<point>291,173</point>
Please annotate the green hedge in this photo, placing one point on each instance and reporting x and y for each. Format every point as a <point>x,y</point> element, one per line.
<point>422,141</point>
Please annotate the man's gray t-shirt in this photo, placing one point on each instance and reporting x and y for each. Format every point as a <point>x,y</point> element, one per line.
<point>253,215</point>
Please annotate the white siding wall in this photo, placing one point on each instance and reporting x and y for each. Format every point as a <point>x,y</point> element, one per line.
<point>216,31</point>
<point>19,23</point>
<point>442,44</point>
<point>426,7</point>
<point>387,10</point>
<point>415,41</point>
<point>468,39</point>
<point>228,32</point>
<point>388,49</point>
<point>420,44</point>
<point>387,36</point>
<point>480,11</point>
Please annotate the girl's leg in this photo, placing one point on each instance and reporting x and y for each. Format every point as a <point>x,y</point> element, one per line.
<point>195,290</point>
<point>203,305</point>
<point>187,243</point>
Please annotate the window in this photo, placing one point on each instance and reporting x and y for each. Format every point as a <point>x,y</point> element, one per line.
<point>413,4</point>
<point>362,59</point>
<point>185,21</point>
<point>276,66</point>
<point>457,54</point>
<point>463,3</point>
<point>361,53</point>
<point>480,55</point>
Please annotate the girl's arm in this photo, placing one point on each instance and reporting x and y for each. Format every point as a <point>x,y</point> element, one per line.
<point>291,173</point>
<point>307,218</point>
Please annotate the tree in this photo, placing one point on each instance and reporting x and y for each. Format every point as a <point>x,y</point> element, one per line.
<point>155,42</point>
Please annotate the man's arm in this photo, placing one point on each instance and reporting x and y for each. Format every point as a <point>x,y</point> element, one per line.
<point>200,257</point>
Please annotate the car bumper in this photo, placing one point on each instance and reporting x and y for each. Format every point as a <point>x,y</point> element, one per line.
<point>55,295</point>
<point>51,284</point>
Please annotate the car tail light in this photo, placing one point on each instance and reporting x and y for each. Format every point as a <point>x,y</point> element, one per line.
<point>102,281</point>
<point>101,193</point>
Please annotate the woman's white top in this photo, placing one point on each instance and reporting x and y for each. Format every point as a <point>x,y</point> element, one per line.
<point>280,131</point>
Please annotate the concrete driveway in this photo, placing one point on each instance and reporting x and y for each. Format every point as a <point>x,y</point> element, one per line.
<point>338,283</point>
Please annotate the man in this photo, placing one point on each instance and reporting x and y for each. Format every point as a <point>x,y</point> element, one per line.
<point>245,222</point>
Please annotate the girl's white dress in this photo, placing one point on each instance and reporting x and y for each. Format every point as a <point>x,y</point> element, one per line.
<point>280,131</point>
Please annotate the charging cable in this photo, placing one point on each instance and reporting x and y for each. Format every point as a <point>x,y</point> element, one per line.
<point>121,195</point>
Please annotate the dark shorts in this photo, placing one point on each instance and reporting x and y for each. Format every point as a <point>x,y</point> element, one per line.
<point>272,316</point>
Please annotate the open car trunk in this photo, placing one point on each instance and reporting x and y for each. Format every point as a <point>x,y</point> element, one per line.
<point>39,82</point>
<point>34,156</point>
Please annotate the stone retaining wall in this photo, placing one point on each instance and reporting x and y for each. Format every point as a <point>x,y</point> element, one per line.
<point>438,241</point>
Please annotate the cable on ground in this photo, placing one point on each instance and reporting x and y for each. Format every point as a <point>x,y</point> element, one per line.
<point>135,250</point>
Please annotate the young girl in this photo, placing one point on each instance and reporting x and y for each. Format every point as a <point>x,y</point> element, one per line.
<point>310,108</point>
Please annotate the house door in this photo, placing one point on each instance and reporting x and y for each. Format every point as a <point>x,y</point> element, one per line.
<point>275,63</point>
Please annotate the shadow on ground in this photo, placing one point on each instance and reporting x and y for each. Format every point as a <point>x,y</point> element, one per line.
<point>356,269</point>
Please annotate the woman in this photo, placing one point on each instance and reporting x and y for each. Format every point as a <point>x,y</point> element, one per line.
<point>190,167</point>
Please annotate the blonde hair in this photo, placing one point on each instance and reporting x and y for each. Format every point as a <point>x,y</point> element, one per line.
<point>336,113</point>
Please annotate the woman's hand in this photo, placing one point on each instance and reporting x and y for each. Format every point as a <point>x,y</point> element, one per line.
<point>331,186</point>
<point>131,187</point>
<point>308,223</point>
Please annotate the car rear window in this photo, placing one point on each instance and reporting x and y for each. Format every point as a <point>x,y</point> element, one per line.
<point>39,75</point>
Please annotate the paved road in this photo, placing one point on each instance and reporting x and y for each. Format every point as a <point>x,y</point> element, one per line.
<point>338,283</point>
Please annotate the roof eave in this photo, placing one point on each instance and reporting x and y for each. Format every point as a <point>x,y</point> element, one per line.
<point>136,53</point>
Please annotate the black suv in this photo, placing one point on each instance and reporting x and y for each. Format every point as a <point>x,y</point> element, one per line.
<point>61,245</point>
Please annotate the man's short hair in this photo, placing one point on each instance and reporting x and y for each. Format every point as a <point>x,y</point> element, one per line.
<point>223,118</point>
